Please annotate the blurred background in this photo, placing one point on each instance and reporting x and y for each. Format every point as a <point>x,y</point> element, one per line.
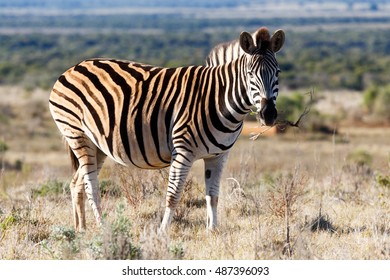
<point>339,50</point>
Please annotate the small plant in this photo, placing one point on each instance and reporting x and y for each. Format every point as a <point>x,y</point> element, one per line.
<point>8,221</point>
<point>284,192</point>
<point>60,233</point>
<point>322,223</point>
<point>3,147</point>
<point>136,185</point>
<point>282,197</point>
<point>62,243</point>
<point>377,102</point>
<point>156,246</point>
<point>383,180</point>
<point>51,187</point>
<point>360,158</point>
<point>109,188</point>
<point>115,241</point>
<point>177,251</point>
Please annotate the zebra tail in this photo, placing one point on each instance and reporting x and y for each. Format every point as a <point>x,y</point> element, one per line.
<point>73,159</point>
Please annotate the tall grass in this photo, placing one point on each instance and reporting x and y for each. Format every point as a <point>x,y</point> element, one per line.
<point>281,198</point>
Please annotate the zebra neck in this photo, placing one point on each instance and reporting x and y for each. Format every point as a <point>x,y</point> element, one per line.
<point>231,89</point>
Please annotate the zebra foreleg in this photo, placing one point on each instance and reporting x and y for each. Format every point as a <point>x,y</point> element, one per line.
<point>180,166</point>
<point>213,171</point>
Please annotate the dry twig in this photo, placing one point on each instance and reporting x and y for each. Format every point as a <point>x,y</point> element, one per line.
<point>282,124</point>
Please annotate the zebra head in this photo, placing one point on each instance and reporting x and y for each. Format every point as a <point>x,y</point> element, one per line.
<point>262,71</point>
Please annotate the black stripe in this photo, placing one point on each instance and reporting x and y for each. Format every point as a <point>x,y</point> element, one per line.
<point>199,107</point>
<point>68,124</point>
<point>204,118</point>
<point>109,101</point>
<point>74,137</point>
<point>191,133</point>
<point>212,108</point>
<point>171,106</point>
<point>68,98</point>
<point>239,90</point>
<point>154,123</point>
<point>138,119</point>
<point>63,108</point>
<point>187,92</point>
<point>126,94</point>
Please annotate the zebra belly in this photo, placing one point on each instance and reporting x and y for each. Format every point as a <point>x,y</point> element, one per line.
<point>138,151</point>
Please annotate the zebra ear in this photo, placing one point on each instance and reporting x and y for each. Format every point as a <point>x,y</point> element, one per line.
<point>246,43</point>
<point>277,40</point>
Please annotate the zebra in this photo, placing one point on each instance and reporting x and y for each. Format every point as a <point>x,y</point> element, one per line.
<point>153,117</point>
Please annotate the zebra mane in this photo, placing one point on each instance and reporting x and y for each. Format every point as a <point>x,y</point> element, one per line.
<point>262,39</point>
<point>228,51</point>
<point>262,35</point>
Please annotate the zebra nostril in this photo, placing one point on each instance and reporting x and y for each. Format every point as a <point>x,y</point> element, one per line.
<point>268,112</point>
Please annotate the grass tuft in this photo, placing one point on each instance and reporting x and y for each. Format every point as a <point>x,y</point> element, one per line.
<point>322,223</point>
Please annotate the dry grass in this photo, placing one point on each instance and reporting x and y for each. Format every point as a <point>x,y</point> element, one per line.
<point>295,196</point>
<point>337,210</point>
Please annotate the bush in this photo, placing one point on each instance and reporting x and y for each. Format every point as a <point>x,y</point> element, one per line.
<point>360,158</point>
<point>383,181</point>
<point>3,147</point>
<point>290,107</point>
<point>115,241</point>
<point>376,100</point>
<point>52,187</point>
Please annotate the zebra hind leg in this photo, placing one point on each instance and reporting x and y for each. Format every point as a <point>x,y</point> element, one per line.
<point>213,171</point>
<point>90,160</point>
<point>78,202</point>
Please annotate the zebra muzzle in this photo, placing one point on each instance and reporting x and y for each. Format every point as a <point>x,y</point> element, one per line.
<point>268,112</point>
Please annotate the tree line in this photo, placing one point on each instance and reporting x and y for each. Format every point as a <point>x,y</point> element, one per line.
<point>323,59</point>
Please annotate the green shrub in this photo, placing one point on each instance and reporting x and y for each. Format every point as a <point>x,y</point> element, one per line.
<point>360,158</point>
<point>3,147</point>
<point>177,251</point>
<point>369,97</point>
<point>377,102</point>
<point>52,187</point>
<point>383,180</point>
<point>8,221</point>
<point>291,106</point>
<point>60,233</point>
<point>109,188</point>
<point>115,241</point>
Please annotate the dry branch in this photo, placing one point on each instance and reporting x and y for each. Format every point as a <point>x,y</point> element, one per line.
<point>283,124</point>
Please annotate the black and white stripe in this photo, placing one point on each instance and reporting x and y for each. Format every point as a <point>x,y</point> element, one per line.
<point>153,117</point>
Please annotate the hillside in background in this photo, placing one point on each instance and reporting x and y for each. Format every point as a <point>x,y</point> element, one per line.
<point>329,45</point>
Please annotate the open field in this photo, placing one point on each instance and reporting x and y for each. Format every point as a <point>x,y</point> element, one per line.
<point>291,196</point>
